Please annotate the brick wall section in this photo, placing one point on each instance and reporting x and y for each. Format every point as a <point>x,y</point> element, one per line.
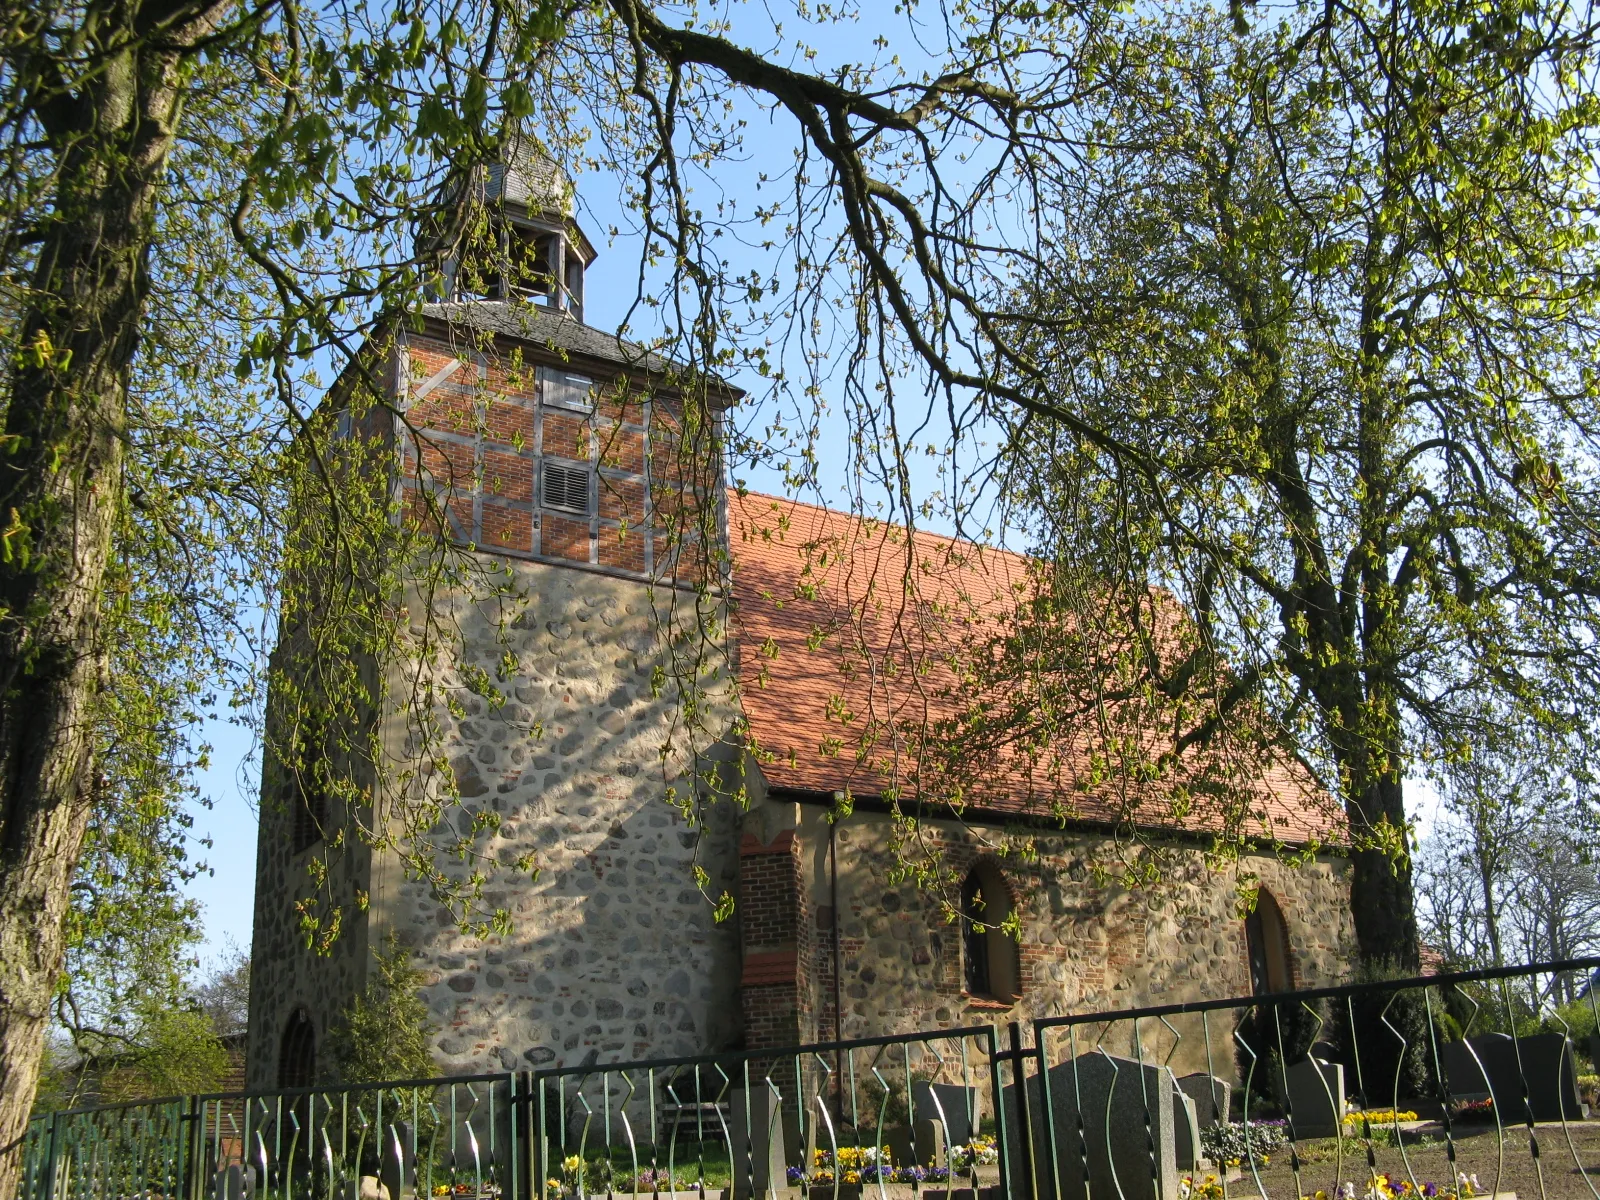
<point>775,918</point>
<point>485,428</point>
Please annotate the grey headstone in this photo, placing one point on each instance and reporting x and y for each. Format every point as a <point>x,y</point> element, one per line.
<point>1212,1097</point>
<point>1128,1114</point>
<point>1314,1094</point>
<point>755,1135</point>
<point>236,1182</point>
<point>1543,1061</point>
<point>1185,1130</point>
<point>940,1110</point>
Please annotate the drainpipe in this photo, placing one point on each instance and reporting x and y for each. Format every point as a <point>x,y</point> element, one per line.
<point>838,1006</point>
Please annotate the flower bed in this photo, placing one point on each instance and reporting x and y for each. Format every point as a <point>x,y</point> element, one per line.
<point>1388,1187</point>
<point>1378,1116</point>
<point>859,1165</point>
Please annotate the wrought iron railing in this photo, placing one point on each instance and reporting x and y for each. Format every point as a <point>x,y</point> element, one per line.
<point>1452,1086</point>
<point>413,1137</point>
<point>876,1115</point>
<point>1369,1091</point>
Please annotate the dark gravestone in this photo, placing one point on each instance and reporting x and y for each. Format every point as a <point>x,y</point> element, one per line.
<point>1499,1065</point>
<point>1463,1075</point>
<point>397,1168</point>
<point>1313,1096</point>
<point>940,1111</point>
<point>1128,1112</point>
<point>1212,1097</point>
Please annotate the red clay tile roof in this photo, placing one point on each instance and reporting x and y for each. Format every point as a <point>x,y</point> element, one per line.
<point>853,680</point>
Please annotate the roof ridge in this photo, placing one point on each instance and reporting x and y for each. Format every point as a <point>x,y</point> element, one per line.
<point>849,515</point>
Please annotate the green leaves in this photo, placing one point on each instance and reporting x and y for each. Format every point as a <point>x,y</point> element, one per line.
<point>1344,304</point>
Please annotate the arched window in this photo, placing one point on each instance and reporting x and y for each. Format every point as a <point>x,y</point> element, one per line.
<point>308,790</point>
<point>297,1053</point>
<point>988,954</point>
<point>1267,938</point>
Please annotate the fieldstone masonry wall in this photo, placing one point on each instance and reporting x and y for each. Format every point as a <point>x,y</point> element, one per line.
<point>614,953</point>
<point>1085,947</point>
<point>285,974</point>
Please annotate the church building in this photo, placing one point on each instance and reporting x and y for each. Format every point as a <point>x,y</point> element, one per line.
<point>580,468</point>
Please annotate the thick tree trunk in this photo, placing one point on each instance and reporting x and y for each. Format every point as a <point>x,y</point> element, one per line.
<point>1381,898</point>
<point>60,483</point>
<point>1382,901</point>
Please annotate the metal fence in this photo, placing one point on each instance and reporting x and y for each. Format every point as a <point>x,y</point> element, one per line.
<point>1448,1087</point>
<point>412,1137</point>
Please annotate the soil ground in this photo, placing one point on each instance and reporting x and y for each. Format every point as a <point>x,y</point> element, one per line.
<point>1502,1164</point>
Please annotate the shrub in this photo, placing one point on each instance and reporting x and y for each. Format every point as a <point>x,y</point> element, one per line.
<point>1242,1139</point>
<point>383,1033</point>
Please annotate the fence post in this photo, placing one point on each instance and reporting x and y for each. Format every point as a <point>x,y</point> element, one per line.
<point>49,1189</point>
<point>193,1142</point>
<point>527,1157</point>
<point>1019,1077</point>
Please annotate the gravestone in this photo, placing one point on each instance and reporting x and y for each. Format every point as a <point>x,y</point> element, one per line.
<point>940,1110</point>
<point>1463,1076</point>
<point>1544,1060</point>
<point>755,1137</point>
<point>236,1182</point>
<point>1313,1091</point>
<point>1213,1097</point>
<point>1128,1112</point>
<point>1186,1148</point>
<point>396,1170</point>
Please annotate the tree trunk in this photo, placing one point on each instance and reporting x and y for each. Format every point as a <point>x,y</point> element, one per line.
<point>1381,899</point>
<point>60,491</point>
<point>1482,851</point>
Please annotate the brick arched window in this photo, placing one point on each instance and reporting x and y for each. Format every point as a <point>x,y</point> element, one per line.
<point>990,965</point>
<point>297,1052</point>
<point>1266,937</point>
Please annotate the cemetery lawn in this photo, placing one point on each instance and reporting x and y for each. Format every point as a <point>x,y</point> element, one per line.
<point>1568,1171</point>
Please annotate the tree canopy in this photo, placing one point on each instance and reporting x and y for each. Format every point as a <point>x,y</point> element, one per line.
<point>1322,308</point>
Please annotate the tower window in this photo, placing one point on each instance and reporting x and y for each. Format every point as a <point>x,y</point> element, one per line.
<point>974,938</point>
<point>297,1053</point>
<point>1267,939</point>
<point>989,960</point>
<point>564,488</point>
<point>308,792</point>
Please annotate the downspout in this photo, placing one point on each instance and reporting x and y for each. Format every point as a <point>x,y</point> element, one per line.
<point>838,1007</point>
<point>833,902</point>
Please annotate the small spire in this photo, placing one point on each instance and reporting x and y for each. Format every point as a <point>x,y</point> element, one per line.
<point>531,178</point>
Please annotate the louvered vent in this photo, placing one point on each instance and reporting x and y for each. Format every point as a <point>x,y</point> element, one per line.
<point>566,488</point>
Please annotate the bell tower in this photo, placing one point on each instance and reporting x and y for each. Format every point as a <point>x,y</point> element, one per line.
<point>537,251</point>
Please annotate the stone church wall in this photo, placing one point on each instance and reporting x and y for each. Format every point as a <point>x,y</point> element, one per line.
<point>1085,946</point>
<point>614,953</point>
<point>285,974</point>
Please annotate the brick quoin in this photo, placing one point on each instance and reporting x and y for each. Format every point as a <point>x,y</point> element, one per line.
<point>775,933</point>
